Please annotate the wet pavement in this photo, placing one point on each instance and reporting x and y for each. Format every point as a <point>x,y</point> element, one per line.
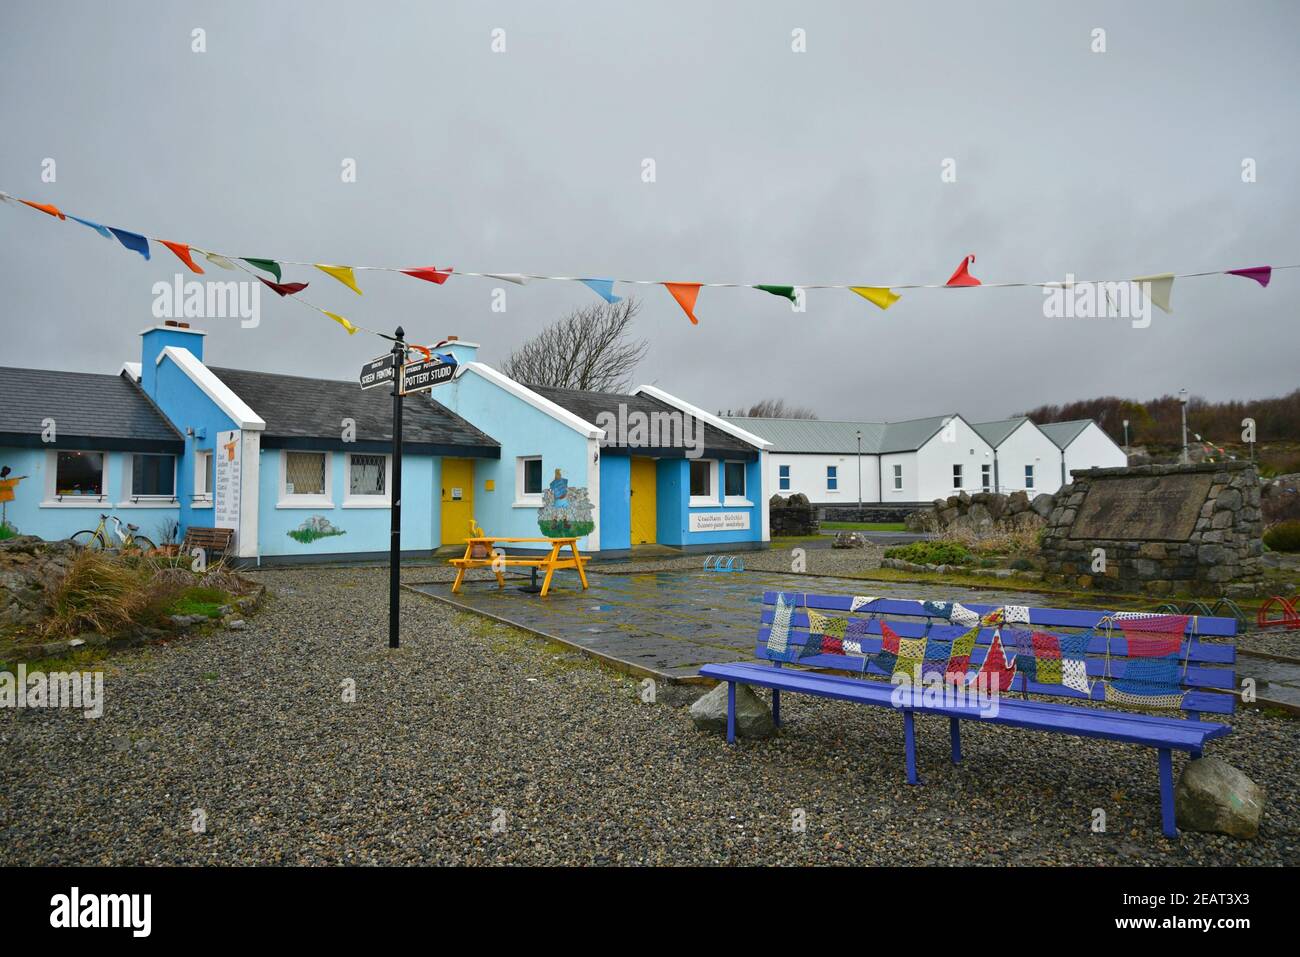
<point>667,623</point>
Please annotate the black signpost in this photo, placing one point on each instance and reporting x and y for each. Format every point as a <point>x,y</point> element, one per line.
<point>404,377</point>
<point>397,356</point>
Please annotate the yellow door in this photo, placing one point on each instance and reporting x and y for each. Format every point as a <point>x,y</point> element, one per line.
<point>643,501</point>
<point>457,500</point>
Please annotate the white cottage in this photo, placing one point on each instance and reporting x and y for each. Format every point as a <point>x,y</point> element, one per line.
<point>1024,458</point>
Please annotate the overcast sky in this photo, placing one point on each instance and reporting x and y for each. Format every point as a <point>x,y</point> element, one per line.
<point>771,166</point>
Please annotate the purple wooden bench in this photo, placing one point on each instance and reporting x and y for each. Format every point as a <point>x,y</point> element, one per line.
<point>1204,672</point>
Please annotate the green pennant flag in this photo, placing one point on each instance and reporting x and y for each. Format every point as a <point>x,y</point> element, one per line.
<point>267,265</point>
<point>786,292</point>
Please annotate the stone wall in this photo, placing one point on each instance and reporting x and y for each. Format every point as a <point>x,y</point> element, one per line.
<point>982,512</point>
<point>1220,553</point>
<point>793,515</point>
<point>29,569</point>
<point>867,513</point>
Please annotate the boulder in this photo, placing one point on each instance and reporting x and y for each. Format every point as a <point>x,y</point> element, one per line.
<point>849,540</point>
<point>1042,504</point>
<point>1212,795</point>
<point>1017,502</point>
<point>753,715</point>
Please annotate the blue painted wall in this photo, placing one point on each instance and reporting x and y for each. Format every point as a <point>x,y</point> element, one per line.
<point>187,407</point>
<point>673,489</point>
<point>51,522</point>
<point>522,430</point>
<point>365,529</point>
<point>615,501</point>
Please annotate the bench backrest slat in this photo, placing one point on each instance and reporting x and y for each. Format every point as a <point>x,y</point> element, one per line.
<point>1203,671</point>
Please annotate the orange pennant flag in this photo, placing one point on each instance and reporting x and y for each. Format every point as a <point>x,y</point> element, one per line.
<point>962,276</point>
<point>45,208</point>
<point>685,293</point>
<point>182,251</point>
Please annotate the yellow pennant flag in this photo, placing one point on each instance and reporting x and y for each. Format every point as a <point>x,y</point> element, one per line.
<point>877,295</point>
<point>215,258</point>
<point>343,274</point>
<point>341,321</point>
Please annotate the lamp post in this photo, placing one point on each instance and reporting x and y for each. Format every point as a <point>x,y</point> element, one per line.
<point>859,475</point>
<point>1182,399</point>
<point>1126,440</point>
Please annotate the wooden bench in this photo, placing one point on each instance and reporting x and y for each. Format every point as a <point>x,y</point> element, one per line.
<point>480,553</point>
<point>1098,645</point>
<point>214,541</point>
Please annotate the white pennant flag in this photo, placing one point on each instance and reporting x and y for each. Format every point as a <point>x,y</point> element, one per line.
<point>1158,288</point>
<point>513,277</point>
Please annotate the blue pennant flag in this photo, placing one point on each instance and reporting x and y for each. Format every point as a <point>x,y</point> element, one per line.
<point>603,288</point>
<point>102,230</point>
<point>131,241</point>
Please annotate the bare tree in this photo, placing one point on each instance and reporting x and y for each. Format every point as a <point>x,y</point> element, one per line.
<point>777,409</point>
<point>588,349</point>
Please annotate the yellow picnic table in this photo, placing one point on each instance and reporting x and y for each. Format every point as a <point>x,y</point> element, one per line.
<point>479,554</point>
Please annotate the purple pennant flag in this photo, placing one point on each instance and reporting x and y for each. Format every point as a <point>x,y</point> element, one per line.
<point>1261,274</point>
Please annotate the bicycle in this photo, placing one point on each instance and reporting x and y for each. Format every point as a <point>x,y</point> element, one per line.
<point>99,540</point>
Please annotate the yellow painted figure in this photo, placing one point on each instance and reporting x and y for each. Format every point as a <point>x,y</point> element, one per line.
<point>8,485</point>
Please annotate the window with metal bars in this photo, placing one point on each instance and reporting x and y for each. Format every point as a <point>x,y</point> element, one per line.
<point>304,473</point>
<point>368,475</point>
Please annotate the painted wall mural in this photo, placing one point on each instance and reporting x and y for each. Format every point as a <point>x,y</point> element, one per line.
<point>8,485</point>
<point>566,512</point>
<point>314,527</point>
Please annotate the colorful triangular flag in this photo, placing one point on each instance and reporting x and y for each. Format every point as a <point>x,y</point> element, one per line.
<point>603,288</point>
<point>785,292</point>
<point>877,295</point>
<point>1159,288</point>
<point>285,289</point>
<point>339,319</point>
<point>102,230</point>
<point>47,208</point>
<point>685,293</point>
<point>1261,274</point>
<point>182,251</point>
<point>132,241</point>
<point>343,274</point>
<point>266,265</point>
<point>216,259</point>
<point>430,273</point>
<point>517,278</point>
<point>962,276</point>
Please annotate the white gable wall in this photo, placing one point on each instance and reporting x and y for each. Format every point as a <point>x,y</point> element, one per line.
<point>1027,445</point>
<point>808,475</point>
<point>955,444</point>
<point>1093,449</point>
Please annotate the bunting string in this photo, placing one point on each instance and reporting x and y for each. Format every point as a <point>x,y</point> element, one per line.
<point>1158,287</point>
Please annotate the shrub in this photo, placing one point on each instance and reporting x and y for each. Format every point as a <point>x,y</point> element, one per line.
<point>1284,537</point>
<point>932,553</point>
<point>99,593</point>
<point>1022,564</point>
<point>1021,540</point>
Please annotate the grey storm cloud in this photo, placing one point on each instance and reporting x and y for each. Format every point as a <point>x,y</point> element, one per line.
<point>771,166</point>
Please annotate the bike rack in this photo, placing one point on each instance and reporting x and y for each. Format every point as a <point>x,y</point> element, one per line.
<point>1290,617</point>
<point>724,563</point>
<point>1205,611</point>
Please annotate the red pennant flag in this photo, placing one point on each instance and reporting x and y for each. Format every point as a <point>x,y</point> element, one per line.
<point>1261,274</point>
<point>182,251</point>
<point>962,276</point>
<point>285,288</point>
<point>430,273</point>
<point>685,293</point>
<point>45,208</point>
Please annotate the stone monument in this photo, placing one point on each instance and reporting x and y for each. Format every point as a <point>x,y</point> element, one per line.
<point>1159,529</point>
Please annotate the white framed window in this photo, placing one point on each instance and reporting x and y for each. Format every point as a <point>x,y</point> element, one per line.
<point>898,478</point>
<point>986,476</point>
<point>149,479</point>
<point>75,478</point>
<point>203,478</point>
<point>305,480</point>
<point>956,476</point>
<point>832,478</point>
<point>783,477</point>
<point>733,484</point>
<point>1029,476</point>
<point>528,481</point>
<point>704,482</point>
<point>369,480</point>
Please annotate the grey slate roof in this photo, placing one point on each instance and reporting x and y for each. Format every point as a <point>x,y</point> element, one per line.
<point>840,438</point>
<point>589,405</point>
<point>90,411</point>
<point>995,433</point>
<point>1063,433</point>
<point>307,413</point>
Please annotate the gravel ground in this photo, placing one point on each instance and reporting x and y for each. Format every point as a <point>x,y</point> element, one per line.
<point>471,722</point>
